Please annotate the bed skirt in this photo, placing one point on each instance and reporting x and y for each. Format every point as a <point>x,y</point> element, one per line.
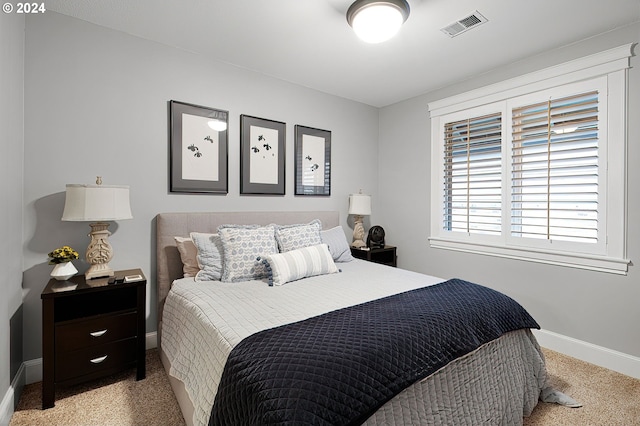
<point>499,383</point>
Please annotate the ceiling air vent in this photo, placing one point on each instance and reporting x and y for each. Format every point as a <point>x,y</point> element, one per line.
<point>464,24</point>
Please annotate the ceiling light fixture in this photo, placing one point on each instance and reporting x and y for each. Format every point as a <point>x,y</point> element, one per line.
<point>375,21</point>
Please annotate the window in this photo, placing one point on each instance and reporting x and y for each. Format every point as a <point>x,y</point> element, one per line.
<point>554,169</point>
<point>472,175</point>
<point>534,168</point>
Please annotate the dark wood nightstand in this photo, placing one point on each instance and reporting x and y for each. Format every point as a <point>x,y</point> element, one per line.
<point>91,329</point>
<point>386,255</point>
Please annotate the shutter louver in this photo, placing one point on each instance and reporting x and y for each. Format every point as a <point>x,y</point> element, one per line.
<point>473,175</point>
<point>554,193</point>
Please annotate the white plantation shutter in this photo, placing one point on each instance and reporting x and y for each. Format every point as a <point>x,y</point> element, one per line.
<point>534,168</point>
<point>554,187</point>
<point>473,175</point>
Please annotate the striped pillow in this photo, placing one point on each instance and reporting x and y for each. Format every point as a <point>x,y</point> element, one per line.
<point>301,263</point>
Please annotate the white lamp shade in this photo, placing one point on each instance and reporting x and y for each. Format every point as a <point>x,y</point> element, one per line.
<point>360,204</point>
<point>96,203</point>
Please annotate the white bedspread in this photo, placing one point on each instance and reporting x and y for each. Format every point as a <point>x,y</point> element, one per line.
<point>203,321</point>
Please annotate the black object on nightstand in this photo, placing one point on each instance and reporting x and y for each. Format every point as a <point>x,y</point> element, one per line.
<point>91,329</point>
<point>385,255</point>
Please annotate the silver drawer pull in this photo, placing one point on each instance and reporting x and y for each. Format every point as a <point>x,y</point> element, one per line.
<point>99,360</point>
<point>98,333</point>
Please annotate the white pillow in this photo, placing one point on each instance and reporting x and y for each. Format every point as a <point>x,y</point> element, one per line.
<point>338,245</point>
<point>301,263</point>
<point>188,255</point>
<point>209,256</point>
<point>242,246</point>
<point>292,237</point>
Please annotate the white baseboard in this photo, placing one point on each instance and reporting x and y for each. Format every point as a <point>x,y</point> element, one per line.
<point>11,396</point>
<point>33,370</point>
<point>6,407</point>
<point>152,340</point>
<point>34,367</point>
<point>594,354</point>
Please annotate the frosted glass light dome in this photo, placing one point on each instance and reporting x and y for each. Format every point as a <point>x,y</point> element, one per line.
<point>377,21</point>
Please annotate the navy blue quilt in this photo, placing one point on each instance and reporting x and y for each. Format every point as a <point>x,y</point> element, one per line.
<point>340,367</point>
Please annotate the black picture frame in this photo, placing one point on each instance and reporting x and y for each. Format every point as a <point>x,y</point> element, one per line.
<point>262,156</point>
<point>313,161</point>
<point>199,160</point>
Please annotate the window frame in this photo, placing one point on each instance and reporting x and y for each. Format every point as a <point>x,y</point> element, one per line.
<point>609,69</point>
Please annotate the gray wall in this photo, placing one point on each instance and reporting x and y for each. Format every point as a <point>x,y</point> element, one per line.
<point>96,104</point>
<point>11,171</point>
<point>594,307</point>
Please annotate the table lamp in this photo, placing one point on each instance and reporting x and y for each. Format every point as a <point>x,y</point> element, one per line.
<point>359,206</point>
<point>97,204</point>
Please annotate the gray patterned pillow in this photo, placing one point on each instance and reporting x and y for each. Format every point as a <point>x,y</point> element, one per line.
<point>242,246</point>
<point>293,237</point>
<point>209,256</point>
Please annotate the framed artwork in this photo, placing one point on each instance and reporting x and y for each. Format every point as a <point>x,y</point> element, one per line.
<point>198,149</point>
<point>262,156</point>
<point>313,161</point>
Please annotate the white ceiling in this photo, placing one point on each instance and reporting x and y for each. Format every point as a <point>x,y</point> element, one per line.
<point>308,42</point>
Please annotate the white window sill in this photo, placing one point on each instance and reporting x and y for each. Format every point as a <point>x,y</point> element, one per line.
<point>581,261</point>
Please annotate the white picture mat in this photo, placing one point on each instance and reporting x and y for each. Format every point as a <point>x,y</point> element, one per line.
<point>263,164</point>
<point>195,130</point>
<point>313,160</point>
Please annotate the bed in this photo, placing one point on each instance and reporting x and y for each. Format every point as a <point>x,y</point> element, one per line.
<point>203,325</point>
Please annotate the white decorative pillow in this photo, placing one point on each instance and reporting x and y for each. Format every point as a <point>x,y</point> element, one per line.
<point>242,246</point>
<point>301,263</point>
<point>338,245</point>
<point>209,256</point>
<point>292,237</point>
<point>188,255</point>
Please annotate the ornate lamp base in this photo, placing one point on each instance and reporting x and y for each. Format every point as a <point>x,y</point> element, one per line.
<point>99,252</point>
<point>101,270</point>
<point>358,232</point>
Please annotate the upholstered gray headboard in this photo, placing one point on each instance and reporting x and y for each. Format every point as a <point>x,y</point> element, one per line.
<point>170,225</point>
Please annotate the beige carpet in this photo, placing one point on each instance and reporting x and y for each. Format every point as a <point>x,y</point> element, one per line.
<point>609,399</point>
<point>118,400</point>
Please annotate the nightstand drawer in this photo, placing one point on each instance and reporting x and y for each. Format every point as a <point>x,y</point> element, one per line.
<point>94,359</point>
<point>95,331</point>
